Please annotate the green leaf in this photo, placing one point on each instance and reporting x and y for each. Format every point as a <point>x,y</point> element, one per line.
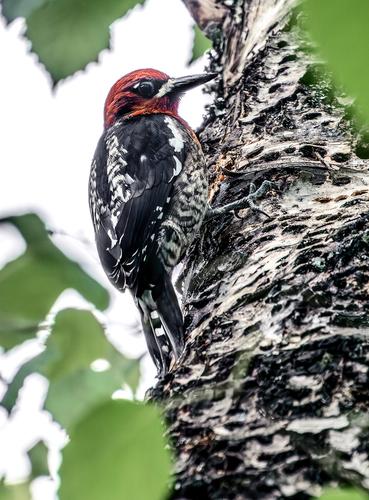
<point>19,8</point>
<point>116,452</point>
<point>343,494</point>
<point>15,492</point>
<point>200,44</point>
<point>68,34</point>
<point>30,284</point>
<point>15,333</point>
<point>132,375</point>
<point>76,340</point>
<point>38,458</point>
<point>341,32</point>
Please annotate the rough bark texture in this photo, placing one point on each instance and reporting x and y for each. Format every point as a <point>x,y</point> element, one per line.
<point>270,398</point>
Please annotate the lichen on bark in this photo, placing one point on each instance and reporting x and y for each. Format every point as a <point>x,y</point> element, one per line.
<point>270,398</point>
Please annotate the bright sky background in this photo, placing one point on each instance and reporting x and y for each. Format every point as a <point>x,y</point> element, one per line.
<point>47,142</point>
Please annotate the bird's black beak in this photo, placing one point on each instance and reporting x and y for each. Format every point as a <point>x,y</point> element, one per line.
<point>184,83</point>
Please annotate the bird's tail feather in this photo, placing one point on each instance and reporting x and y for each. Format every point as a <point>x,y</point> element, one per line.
<point>170,315</point>
<point>162,323</point>
<point>157,350</point>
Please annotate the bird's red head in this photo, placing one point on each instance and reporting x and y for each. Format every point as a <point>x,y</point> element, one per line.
<point>148,91</point>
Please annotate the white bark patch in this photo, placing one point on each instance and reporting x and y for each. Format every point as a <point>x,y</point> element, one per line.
<point>345,441</point>
<point>317,425</point>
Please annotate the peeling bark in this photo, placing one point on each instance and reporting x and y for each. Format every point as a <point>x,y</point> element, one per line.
<point>208,14</point>
<point>270,399</point>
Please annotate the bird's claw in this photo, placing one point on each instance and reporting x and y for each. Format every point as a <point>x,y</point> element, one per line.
<point>246,202</point>
<point>249,200</point>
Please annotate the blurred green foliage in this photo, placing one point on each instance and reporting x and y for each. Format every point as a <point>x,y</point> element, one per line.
<point>77,339</point>
<point>340,29</point>
<point>38,458</point>
<point>343,494</point>
<point>68,34</point>
<point>123,440</point>
<point>11,9</point>
<point>30,284</point>
<point>200,44</point>
<point>15,492</point>
<point>117,451</point>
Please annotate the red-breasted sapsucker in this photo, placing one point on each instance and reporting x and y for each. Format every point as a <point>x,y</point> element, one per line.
<point>148,192</point>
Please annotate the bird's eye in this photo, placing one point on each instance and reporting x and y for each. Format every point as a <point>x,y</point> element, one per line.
<point>146,89</point>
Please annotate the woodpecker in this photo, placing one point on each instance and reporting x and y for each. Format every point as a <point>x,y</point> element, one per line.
<point>148,191</point>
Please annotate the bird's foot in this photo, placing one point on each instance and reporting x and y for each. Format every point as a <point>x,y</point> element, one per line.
<point>246,202</point>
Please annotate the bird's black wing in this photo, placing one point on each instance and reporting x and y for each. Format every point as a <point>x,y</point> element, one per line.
<point>131,184</point>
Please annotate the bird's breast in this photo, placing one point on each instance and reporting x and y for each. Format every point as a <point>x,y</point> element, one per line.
<point>187,209</point>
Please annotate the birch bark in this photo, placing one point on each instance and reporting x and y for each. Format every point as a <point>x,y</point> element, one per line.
<point>270,399</point>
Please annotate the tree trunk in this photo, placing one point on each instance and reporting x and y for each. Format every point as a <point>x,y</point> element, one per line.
<point>270,398</point>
